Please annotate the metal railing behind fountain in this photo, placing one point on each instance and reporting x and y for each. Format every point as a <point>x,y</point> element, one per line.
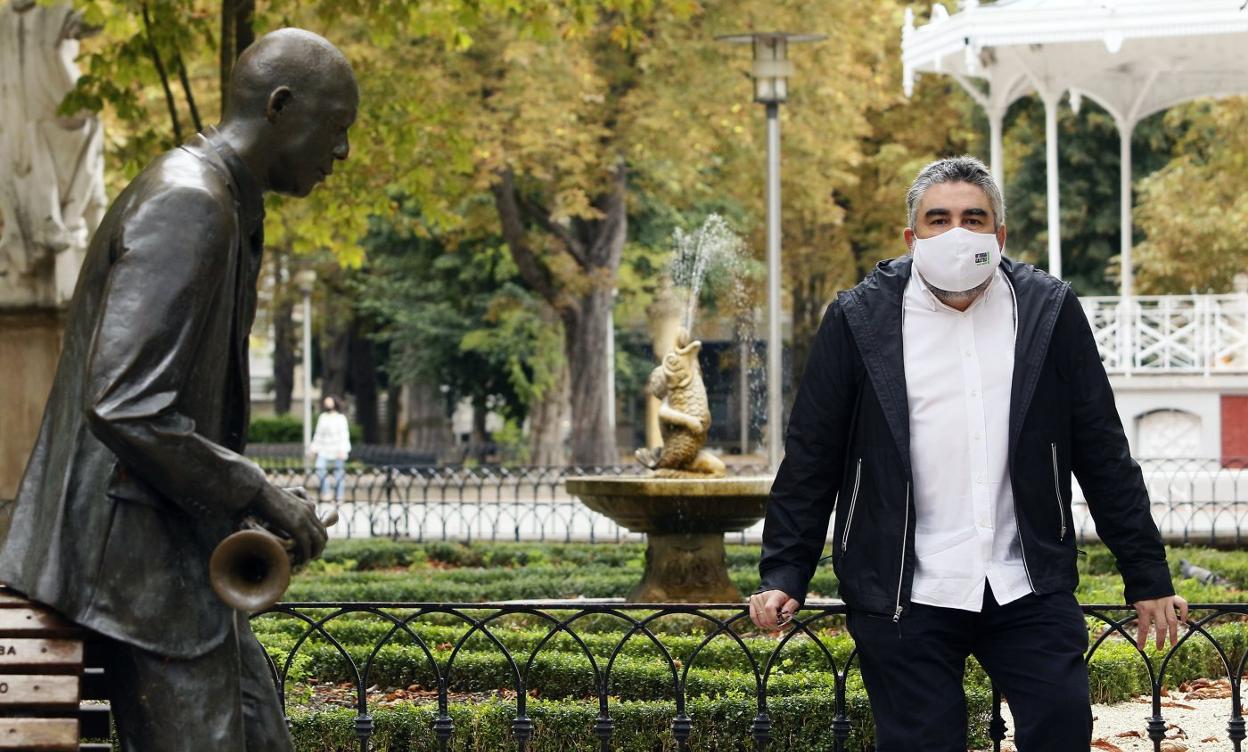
<point>1196,501</point>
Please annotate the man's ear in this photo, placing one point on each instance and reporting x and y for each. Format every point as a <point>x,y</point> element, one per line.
<point>1001,237</point>
<point>281,98</point>
<point>908,236</point>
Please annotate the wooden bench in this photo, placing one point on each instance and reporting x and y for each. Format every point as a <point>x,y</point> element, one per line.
<point>43,663</point>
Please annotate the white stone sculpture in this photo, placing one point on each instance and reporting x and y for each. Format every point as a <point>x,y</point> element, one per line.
<point>51,166</point>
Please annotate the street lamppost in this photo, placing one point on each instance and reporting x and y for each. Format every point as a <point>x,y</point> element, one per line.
<point>770,72</point>
<point>306,280</point>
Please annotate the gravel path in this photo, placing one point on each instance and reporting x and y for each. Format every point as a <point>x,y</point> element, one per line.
<point>1196,714</point>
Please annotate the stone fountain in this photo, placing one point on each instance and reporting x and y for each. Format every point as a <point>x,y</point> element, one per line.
<point>686,503</point>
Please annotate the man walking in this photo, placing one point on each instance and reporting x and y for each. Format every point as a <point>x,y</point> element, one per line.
<point>137,472</point>
<point>947,400</point>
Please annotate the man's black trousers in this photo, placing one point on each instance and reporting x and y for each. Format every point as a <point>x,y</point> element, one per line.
<point>1032,649</point>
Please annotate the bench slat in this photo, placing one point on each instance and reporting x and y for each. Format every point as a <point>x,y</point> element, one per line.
<point>39,734</point>
<point>28,653</point>
<point>42,691</point>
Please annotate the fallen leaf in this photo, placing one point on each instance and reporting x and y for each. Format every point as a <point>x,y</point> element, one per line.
<point>1130,734</point>
<point>1107,746</point>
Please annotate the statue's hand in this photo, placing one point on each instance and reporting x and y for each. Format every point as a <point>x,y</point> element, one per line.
<point>294,517</point>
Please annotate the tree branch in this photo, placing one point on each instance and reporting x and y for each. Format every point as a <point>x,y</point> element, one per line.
<point>609,233</point>
<point>228,53</point>
<point>541,217</point>
<point>186,89</point>
<point>164,75</point>
<point>534,273</point>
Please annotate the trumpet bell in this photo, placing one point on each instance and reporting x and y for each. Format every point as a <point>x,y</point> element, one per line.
<point>249,570</point>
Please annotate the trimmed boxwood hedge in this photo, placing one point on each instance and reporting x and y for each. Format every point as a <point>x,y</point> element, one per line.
<point>799,723</point>
<point>721,685</point>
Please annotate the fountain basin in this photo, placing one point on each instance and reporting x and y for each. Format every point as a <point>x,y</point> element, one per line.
<point>684,520</point>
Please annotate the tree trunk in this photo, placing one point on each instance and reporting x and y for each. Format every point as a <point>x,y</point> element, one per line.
<point>362,366</point>
<point>585,346</point>
<point>390,429</point>
<point>595,247</point>
<point>426,424</point>
<point>335,350</point>
<point>546,420</point>
<point>810,297</point>
<point>477,442</point>
<point>237,35</point>
<point>284,334</point>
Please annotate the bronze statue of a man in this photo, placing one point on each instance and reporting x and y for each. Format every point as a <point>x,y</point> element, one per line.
<point>137,473</point>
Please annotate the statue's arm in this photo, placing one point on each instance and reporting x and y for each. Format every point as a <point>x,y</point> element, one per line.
<point>164,287</point>
<point>669,414</point>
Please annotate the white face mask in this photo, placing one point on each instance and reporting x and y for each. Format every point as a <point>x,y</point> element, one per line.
<point>957,260</point>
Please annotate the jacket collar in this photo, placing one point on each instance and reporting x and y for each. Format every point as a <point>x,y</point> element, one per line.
<point>248,192</point>
<point>873,310</point>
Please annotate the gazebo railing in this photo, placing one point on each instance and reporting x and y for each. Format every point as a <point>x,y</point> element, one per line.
<point>1178,334</point>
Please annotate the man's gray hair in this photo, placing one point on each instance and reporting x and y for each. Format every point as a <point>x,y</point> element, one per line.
<point>964,169</point>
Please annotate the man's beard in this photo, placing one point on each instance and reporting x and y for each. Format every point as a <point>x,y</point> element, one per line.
<point>959,299</point>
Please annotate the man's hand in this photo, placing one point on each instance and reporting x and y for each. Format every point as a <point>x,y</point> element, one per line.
<point>1159,613</point>
<point>772,609</point>
<point>296,518</point>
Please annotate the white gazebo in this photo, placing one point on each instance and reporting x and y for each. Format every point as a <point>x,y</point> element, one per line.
<point>1132,57</point>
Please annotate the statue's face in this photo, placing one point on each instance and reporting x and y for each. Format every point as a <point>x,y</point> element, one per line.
<point>311,134</point>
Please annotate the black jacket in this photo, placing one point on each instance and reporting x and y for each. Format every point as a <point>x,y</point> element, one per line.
<point>849,438</point>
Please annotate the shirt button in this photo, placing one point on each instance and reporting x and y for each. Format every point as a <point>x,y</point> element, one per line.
<point>979,479</point>
<point>974,392</point>
<point>977,436</point>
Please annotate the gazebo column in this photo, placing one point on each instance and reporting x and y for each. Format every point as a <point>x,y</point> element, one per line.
<point>996,149</point>
<point>1127,276</point>
<point>1051,102</point>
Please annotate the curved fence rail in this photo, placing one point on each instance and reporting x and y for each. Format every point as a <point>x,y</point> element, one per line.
<point>1197,501</point>
<point>716,628</point>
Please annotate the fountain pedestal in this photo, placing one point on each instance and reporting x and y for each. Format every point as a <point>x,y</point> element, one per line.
<point>684,520</point>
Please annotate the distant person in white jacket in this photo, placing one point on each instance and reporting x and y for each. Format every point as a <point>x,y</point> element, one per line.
<point>331,443</point>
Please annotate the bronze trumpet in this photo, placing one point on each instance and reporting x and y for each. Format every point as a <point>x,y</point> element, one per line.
<point>250,569</point>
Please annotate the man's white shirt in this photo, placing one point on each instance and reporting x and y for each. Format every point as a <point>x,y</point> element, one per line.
<point>959,369</point>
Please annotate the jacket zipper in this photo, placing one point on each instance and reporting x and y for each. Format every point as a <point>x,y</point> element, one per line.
<point>853,502</point>
<point>901,574</point>
<point>1057,488</point>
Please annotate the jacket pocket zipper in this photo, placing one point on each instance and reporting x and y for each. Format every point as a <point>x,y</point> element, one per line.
<point>1057,489</point>
<point>901,574</point>
<point>853,502</point>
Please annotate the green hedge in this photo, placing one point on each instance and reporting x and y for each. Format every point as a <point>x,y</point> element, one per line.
<point>277,429</point>
<point>386,570</point>
<point>799,723</point>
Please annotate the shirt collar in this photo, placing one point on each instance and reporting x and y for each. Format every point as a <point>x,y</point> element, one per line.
<point>250,193</point>
<point>934,303</point>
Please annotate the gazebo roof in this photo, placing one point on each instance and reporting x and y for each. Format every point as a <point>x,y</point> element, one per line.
<point>1134,57</point>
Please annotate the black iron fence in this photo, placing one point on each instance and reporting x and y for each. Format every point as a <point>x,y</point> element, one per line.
<point>1198,501</point>
<point>465,503</point>
<point>684,645</point>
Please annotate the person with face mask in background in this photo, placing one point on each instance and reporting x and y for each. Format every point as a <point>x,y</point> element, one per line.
<point>331,443</point>
<point>947,400</point>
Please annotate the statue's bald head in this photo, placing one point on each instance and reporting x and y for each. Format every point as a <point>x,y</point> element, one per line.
<point>296,95</point>
<point>295,58</point>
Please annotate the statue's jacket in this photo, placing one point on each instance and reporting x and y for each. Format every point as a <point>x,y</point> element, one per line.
<point>847,452</point>
<point>137,471</point>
